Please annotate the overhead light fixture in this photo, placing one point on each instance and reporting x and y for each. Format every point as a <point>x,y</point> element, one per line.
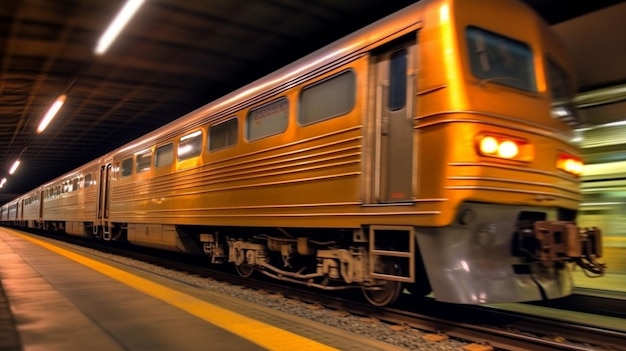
<point>52,111</point>
<point>119,22</point>
<point>4,180</point>
<point>14,167</point>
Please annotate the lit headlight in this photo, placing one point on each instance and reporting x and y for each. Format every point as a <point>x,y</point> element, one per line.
<point>501,146</point>
<point>570,164</point>
<point>508,149</point>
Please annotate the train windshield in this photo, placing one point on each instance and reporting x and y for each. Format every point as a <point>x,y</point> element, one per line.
<point>498,59</point>
<point>562,105</point>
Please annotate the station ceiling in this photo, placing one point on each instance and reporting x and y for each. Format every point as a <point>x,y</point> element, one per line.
<point>177,55</point>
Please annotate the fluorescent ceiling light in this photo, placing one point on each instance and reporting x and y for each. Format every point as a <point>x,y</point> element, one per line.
<point>52,111</point>
<point>4,180</point>
<point>14,167</point>
<point>126,13</point>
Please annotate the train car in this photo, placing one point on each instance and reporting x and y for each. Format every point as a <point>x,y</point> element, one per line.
<point>9,212</point>
<point>70,202</point>
<point>430,150</point>
<point>30,214</point>
<point>12,212</point>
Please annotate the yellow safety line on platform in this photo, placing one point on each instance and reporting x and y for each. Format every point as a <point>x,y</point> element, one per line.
<point>260,333</point>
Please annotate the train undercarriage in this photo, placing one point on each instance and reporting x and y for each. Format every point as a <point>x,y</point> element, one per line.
<point>459,262</point>
<point>380,272</point>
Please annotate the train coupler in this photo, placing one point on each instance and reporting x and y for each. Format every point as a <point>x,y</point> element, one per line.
<point>551,242</point>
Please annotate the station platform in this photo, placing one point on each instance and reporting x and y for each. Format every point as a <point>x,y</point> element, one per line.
<point>56,298</point>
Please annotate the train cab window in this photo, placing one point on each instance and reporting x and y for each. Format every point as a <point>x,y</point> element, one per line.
<point>268,119</point>
<point>143,161</point>
<point>126,167</point>
<point>558,82</point>
<point>500,60</point>
<point>164,155</point>
<point>223,134</point>
<point>397,80</point>
<point>563,107</point>
<point>190,146</point>
<point>87,183</point>
<point>334,96</point>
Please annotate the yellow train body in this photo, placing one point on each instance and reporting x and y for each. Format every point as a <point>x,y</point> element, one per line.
<point>319,176</point>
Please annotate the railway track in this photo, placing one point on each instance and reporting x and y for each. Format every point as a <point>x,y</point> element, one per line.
<point>490,327</point>
<point>593,301</point>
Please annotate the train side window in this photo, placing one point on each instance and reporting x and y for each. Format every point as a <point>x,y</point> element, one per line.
<point>332,97</point>
<point>268,119</point>
<point>223,134</point>
<point>190,146</point>
<point>144,161</point>
<point>75,184</point>
<point>397,80</point>
<point>164,155</point>
<point>127,167</point>
<point>87,180</point>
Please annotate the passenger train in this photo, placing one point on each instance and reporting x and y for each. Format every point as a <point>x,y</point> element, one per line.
<point>429,151</point>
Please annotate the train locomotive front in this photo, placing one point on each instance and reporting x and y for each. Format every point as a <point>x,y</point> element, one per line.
<point>500,133</point>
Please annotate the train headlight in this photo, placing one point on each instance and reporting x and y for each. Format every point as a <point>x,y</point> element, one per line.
<point>508,149</point>
<point>570,164</point>
<point>504,147</point>
<point>488,145</point>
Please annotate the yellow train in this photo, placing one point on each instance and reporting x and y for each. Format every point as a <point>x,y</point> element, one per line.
<point>430,150</point>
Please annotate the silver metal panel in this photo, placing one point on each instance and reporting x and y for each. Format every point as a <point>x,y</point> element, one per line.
<point>473,263</point>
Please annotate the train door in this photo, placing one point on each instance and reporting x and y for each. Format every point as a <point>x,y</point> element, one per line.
<point>20,211</point>
<point>41,200</point>
<point>104,193</point>
<point>41,197</point>
<point>394,80</point>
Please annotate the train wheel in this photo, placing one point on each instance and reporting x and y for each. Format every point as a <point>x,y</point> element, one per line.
<point>244,270</point>
<point>384,292</point>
